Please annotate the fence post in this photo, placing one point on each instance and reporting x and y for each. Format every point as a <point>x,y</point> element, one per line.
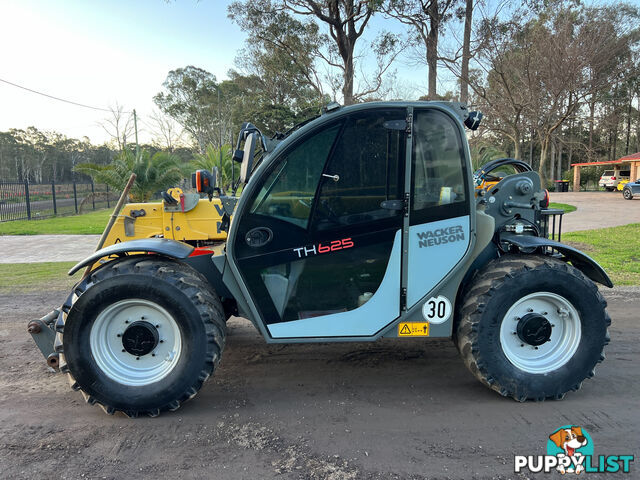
<point>53,193</point>
<point>108,196</point>
<point>93,196</point>
<point>75,196</point>
<point>26,197</point>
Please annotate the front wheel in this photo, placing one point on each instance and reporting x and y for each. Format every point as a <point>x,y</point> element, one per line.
<point>626,193</point>
<point>532,327</point>
<point>142,335</point>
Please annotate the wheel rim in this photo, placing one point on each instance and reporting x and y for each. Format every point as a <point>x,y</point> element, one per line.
<point>561,344</point>
<point>113,326</point>
<point>626,194</point>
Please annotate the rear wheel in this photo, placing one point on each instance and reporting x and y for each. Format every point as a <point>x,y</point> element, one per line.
<point>142,335</point>
<point>532,327</point>
<point>626,193</point>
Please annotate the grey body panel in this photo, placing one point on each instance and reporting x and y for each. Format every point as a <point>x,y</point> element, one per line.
<point>450,285</point>
<point>581,261</point>
<point>161,246</point>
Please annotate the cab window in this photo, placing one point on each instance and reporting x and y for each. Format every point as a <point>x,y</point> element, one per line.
<point>438,180</point>
<point>363,171</point>
<point>288,191</point>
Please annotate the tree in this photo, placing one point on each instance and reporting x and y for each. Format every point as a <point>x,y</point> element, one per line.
<point>153,173</point>
<point>426,18</point>
<point>166,131</point>
<point>190,97</point>
<point>119,125</point>
<point>466,52</point>
<point>345,20</point>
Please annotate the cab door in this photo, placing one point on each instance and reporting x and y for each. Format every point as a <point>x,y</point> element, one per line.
<point>318,240</point>
<point>440,216</point>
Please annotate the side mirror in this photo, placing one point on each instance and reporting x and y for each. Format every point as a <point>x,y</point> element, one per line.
<point>247,158</point>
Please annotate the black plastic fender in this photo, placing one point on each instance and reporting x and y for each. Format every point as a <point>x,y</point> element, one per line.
<point>578,259</point>
<point>161,246</point>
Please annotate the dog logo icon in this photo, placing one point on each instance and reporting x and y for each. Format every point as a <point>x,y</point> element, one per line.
<point>571,445</point>
<point>570,451</point>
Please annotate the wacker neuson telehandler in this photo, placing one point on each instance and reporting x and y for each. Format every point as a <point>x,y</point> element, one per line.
<point>362,224</point>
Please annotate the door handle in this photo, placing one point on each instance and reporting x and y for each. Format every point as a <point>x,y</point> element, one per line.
<point>335,178</point>
<point>397,205</point>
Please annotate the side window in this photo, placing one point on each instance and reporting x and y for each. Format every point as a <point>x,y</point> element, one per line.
<point>288,192</point>
<point>438,178</point>
<point>365,166</point>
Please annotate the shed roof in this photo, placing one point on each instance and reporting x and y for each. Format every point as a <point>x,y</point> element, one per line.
<point>634,157</point>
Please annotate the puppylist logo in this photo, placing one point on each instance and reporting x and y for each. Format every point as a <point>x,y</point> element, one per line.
<point>570,451</point>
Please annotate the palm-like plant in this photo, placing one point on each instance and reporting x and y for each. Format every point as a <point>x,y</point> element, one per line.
<point>211,159</point>
<point>153,173</point>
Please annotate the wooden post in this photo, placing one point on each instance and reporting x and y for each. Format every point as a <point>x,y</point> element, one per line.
<point>576,178</point>
<point>121,201</point>
<point>633,174</point>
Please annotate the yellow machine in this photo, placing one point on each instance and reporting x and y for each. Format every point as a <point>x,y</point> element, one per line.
<point>180,216</point>
<point>484,179</point>
<point>621,184</point>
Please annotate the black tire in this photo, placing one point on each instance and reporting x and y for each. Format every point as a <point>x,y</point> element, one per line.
<point>195,311</point>
<point>626,193</point>
<point>498,287</point>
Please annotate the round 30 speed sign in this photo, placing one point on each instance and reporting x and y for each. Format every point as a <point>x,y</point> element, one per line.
<point>437,310</point>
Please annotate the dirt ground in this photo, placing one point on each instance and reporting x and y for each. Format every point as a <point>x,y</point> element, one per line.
<point>393,409</point>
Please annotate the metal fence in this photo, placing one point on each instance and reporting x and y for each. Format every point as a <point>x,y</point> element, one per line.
<point>29,201</point>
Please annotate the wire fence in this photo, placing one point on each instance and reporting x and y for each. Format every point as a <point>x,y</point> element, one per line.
<point>29,201</point>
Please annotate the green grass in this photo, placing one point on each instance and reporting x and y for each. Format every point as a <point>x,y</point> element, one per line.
<point>88,223</point>
<point>564,206</point>
<point>36,277</point>
<point>616,249</point>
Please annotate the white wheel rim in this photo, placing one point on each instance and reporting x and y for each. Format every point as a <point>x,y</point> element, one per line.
<point>563,342</point>
<point>107,349</point>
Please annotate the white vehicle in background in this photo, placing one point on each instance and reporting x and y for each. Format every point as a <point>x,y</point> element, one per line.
<point>610,180</point>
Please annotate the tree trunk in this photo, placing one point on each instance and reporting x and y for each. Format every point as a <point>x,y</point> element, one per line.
<point>516,146</point>
<point>592,114</point>
<point>552,162</point>
<point>466,52</point>
<point>559,163</point>
<point>347,88</point>
<point>626,147</point>
<point>432,48</point>
<point>544,148</point>
<point>531,148</point>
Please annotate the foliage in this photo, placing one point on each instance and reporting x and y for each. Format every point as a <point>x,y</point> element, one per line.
<point>317,36</point>
<point>563,206</point>
<point>481,153</point>
<point>615,249</point>
<point>35,277</point>
<point>190,97</point>
<point>546,66</point>
<point>44,156</point>
<point>211,159</point>
<point>153,172</point>
<point>86,224</point>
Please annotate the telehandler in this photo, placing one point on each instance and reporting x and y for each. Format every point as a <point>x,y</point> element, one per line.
<point>360,225</point>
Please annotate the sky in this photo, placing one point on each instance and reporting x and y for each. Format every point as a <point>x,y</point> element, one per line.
<point>102,53</point>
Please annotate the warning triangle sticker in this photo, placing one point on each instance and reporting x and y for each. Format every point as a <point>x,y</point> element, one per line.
<point>405,330</point>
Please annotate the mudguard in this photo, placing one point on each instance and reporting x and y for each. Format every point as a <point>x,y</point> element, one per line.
<point>161,246</point>
<point>581,261</point>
